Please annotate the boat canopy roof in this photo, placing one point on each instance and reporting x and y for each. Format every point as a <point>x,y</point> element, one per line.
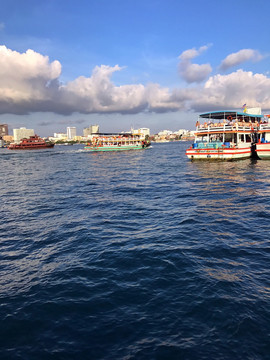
<point>225,114</point>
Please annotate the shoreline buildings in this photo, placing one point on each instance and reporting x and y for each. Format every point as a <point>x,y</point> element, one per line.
<point>92,129</point>
<point>3,134</point>
<point>168,135</point>
<point>141,131</point>
<point>3,130</point>
<point>88,132</point>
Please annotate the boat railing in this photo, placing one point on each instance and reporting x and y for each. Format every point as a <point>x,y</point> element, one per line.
<point>265,126</point>
<point>227,127</point>
<point>234,127</point>
<point>212,145</point>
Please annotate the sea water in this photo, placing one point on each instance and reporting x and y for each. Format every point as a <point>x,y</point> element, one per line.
<point>133,255</point>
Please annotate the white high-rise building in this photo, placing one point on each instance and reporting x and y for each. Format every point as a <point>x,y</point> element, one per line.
<point>71,132</point>
<point>22,133</point>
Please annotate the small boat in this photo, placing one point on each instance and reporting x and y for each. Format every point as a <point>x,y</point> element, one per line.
<point>117,142</point>
<point>31,143</point>
<point>225,135</point>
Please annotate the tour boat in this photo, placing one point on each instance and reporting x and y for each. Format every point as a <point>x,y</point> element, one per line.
<point>117,142</point>
<point>31,143</point>
<point>263,144</point>
<point>225,135</point>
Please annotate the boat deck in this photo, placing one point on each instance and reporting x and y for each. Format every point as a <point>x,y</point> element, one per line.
<point>230,128</point>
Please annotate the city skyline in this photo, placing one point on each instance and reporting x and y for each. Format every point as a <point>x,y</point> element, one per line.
<point>122,64</point>
<point>71,132</point>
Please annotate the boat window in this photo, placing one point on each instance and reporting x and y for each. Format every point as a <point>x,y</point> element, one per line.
<point>228,137</point>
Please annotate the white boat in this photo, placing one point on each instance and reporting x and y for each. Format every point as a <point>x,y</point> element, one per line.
<point>225,135</point>
<point>263,143</point>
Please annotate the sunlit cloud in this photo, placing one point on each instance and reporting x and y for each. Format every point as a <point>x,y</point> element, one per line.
<point>193,73</point>
<point>24,78</point>
<point>240,57</point>
<point>30,83</point>
<point>232,91</point>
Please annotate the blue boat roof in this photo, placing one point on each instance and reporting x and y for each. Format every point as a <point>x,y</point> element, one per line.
<point>225,113</point>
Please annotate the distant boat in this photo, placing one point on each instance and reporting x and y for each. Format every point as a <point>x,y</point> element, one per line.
<point>64,144</point>
<point>117,142</point>
<point>32,143</point>
<point>162,141</point>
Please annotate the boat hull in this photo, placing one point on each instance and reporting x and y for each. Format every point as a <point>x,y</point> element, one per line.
<point>219,154</point>
<point>18,147</point>
<point>114,148</point>
<point>263,151</point>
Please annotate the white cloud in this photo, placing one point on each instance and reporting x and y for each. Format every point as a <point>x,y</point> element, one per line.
<point>240,57</point>
<point>190,54</point>
<point>160,99</point>
<point>30,83</point>
<point>98,94</point>
<point>2,26</point>
<point>28,65</point>
<point>193,73</point>
<point>232,91</point>
<point>24,76</point>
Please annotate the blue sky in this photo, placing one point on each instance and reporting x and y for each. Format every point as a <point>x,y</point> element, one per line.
<point>123,63</point>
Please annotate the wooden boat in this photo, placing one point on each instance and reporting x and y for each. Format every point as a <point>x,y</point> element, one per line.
<point>117,142</point>
<point>225,135</point>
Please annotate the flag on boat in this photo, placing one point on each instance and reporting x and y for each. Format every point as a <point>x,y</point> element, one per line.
<point>244,107</point>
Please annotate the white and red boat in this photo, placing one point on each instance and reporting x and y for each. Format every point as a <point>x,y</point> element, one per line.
<point>263,144</point>
<point>225,135</point>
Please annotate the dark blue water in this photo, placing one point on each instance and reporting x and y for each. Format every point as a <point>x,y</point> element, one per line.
<point>133,255</point>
